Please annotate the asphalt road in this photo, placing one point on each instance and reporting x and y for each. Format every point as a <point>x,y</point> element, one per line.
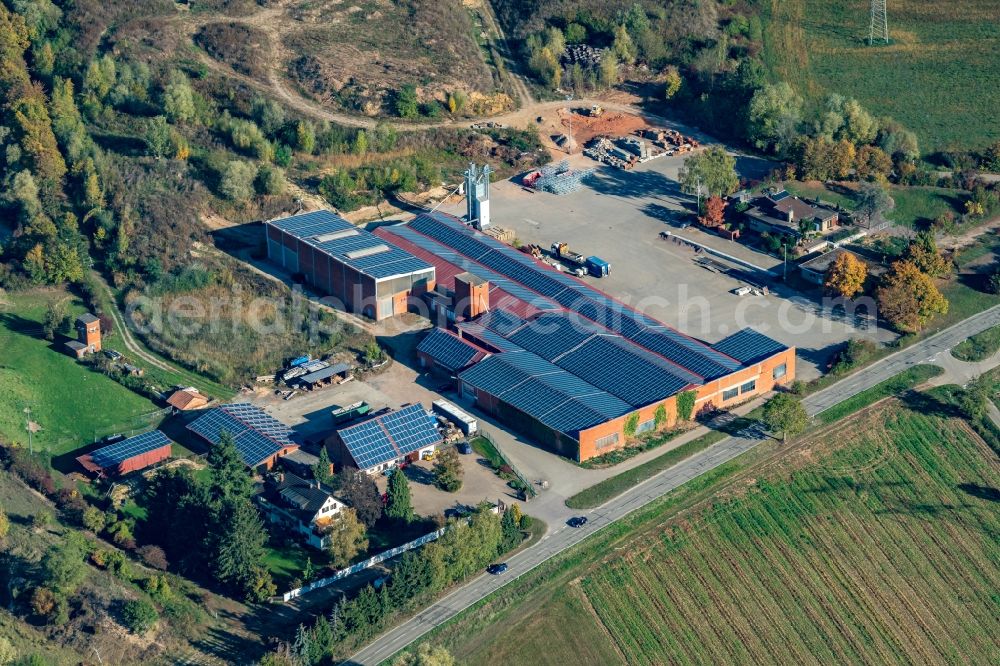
<point>564,537</point>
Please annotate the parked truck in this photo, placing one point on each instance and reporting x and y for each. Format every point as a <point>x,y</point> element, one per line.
<point>562,251</point>
<point>597,267</point>
<point>466,423</point>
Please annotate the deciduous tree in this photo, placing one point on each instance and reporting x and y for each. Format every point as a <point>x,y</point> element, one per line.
<point>846,276</point>
<point>714,169</point>
<point>908,299</point>
<point>448,471</point>
<point>715,212</point>
<point>785,415</point>
<point>347,538</point>
<point>773,117</point>
<point>362,494</point>
<point>872,163</point>
<point>924,254</point>
<point>873,201</point>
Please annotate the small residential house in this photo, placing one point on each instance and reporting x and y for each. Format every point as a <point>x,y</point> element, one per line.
<point>304,506</point>
<point>386,440</point>
<point>88,336</point>
<point>186,399</point>
<point>781,213</point>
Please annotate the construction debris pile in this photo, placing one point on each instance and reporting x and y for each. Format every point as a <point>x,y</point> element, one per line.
<point>556,178</point>
<point>625,152</point>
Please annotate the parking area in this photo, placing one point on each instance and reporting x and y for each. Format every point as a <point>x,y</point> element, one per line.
<point>619,216</point>
<point>479,484</point>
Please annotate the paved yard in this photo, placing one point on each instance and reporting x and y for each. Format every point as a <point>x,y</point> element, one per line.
<point>619,215</point>
<point>479,483</point>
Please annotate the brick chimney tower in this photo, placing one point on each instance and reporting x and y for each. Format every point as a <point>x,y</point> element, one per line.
<point>472,296</point>
<point>88,331</point>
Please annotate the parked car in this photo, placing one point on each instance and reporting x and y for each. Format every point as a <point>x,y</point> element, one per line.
<point>464,448</point>
<point>112,354</point>
<point>497,569</point>
<point>577,521</point>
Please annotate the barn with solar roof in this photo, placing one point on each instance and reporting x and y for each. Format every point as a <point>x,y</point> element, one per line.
<point>259,437</point>
<point>128,455</point>
<point>367,274</point>
<point>563,363</point>
<point>386,440</point>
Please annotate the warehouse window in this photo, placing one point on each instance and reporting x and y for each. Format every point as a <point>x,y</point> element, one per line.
<point>606,441</point>
<point>729,394</point>
<point>647,426</point>
<point>779,371</point>
<point>749,386</point>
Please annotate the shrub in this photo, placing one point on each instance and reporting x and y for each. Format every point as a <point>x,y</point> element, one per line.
<point>154,557</point>
<point>139,616</point>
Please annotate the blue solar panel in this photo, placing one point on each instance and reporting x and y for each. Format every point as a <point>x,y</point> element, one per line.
<point>687,352</point>
<point>748,346</point>
<point>390,436</point>
<point>544,391</point>
<point>447,350</point>
<point>256,434</point>
<point>552,335</point>
<point>611,364</point>
<point>114,454</point>
<point>313,227</point>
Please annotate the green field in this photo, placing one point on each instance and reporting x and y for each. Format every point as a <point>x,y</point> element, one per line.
<point>70,402</point>
<point>934,76</point>
<point>979,347</point>
<point>916,207</point>
<point>875,542</point>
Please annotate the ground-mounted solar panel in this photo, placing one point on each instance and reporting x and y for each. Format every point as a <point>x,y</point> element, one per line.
<point>115,454</point>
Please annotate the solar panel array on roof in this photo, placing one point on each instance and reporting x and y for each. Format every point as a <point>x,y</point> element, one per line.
<point>449,351</point>
<point>391,436</point>
<point>350,245</point>
<point>451,256</point>
<point>555,397</point>
<point>571,294</point>
<point>257,435</point>
<point>115,454</point>
<point>749,346</point>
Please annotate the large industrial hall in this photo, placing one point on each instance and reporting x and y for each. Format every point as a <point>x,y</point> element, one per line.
<point>569,367</point>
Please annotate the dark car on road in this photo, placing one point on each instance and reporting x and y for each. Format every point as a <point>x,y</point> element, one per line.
<point>577,521</point>
<point>497,569</point>
<point>464,448</point>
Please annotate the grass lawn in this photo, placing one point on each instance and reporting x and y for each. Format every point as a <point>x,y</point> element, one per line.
<point>916,206</point>
<point>601,492</point>
<point>904,381</point>
<point>287,562</point>
<point>872,543</point>
<point>69,402</point>
<point>930,78</point>
<point>979,347</point>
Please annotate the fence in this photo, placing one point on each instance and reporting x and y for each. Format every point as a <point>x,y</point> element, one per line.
<point>529,488</point>
<point>360,566</point>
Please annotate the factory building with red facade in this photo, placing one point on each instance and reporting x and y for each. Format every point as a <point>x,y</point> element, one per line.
<point>566,365</point>
<point>366,274</point>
